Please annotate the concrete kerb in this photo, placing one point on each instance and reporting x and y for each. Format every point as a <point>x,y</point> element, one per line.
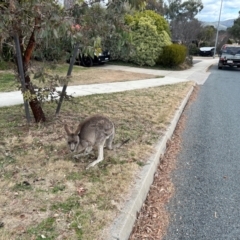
<point>122,226</point>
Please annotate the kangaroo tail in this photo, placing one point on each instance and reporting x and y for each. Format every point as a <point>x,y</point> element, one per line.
<point>122,143</point>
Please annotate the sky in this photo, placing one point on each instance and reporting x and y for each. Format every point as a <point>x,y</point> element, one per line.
<point>211,10</point>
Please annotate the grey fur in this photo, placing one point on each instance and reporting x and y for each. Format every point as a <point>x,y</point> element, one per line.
<point>93,131</point>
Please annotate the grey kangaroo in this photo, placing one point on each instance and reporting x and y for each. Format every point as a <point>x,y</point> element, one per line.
<point>93,131</point>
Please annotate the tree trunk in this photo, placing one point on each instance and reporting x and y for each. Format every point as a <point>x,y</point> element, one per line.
<point>34,103</point>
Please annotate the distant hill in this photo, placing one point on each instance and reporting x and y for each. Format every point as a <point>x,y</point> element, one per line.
<point>223,25</point>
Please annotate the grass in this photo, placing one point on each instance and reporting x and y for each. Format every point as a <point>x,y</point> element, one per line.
<point>7,81</point>
<point>44,230</point>
<point>45,193</point>
<point>80,75</point>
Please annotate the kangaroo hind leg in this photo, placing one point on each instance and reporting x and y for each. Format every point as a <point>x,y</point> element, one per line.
<point>100,155</point>
<point>109,141</point>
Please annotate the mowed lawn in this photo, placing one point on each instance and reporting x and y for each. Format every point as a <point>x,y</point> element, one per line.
<point>47,194</point>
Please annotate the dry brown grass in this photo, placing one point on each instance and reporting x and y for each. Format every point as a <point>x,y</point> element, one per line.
<point>45,193</point>
<point>80,75</point>
<point>97,74</point>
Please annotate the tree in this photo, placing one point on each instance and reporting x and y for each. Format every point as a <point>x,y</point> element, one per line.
<point>184,26</point>
<point>206,35</point>
<point>156,6</point>
<point>235,29</point>
<point>185,31</point>
<point>176,10</point>
<point>189,9</point>
<point>34,21</point>
<point>172,9</point>
<point>29,21</point>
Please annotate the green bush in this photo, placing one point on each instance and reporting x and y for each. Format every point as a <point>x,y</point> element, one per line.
<point>193,50</point>
<point>119,46</point>
<point>6,51</point>
<point>173,55</point>
<point>158,20</point>
<point>150,33</point>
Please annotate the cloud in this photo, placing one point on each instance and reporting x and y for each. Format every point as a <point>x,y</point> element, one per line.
<point>211,10</point>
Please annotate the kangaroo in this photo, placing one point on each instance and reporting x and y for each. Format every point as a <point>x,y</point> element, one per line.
<point>93,131</point>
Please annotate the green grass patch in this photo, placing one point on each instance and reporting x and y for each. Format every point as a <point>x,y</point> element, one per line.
<point>5,65</point>
<point>7,82</point>
<point>44,230</point>
<point>58,188</point>
<point>67,205</point>
<point>22,186</point>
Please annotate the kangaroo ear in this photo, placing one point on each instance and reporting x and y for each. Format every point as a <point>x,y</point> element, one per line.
<point>67,129</point>
<point>78,129</point>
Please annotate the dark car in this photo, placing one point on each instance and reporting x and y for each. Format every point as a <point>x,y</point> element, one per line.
<point>99,57</point>
<point>229,56</point>
<point>206,51</point>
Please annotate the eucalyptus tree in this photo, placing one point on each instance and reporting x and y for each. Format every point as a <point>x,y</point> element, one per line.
<point>34,21</point>
<point>235,29</point>
<point>181,16</point>
<point>206,35</point>
<point>156,6</point>
<point>29,21</point>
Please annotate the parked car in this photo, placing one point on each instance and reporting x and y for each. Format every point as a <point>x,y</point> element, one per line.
<point>229,55</point>
<point>206,51</point>
<point>100,57</point>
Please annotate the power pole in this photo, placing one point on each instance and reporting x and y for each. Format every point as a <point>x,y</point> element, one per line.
<point>217,30</point>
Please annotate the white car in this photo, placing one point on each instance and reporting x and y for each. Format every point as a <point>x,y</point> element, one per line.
<point>206,51</point>
<point>229,56</point>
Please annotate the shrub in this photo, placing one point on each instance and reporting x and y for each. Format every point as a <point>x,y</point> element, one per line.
<point>150,33</point>
<point>50,49</point>
<point>157,20</point>
<point>193,50</point>
<point>189,60</point>
<point>173,55</point>
<point>119,45</point>
<point>145,40</point>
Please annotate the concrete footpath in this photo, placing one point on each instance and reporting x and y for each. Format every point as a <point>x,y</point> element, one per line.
<point>197,73</point>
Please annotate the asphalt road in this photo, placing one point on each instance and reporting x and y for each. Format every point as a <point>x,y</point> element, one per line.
<point>206,204</point>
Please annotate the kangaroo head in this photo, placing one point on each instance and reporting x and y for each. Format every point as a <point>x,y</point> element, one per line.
<point>72,138</point>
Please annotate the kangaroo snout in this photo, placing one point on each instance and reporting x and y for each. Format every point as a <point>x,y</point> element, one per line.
<point>72,147</point>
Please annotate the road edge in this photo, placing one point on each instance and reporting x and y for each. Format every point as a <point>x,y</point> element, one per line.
<point>123,224</point>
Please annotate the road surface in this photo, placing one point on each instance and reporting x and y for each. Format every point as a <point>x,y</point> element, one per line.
<point>206,204</point>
